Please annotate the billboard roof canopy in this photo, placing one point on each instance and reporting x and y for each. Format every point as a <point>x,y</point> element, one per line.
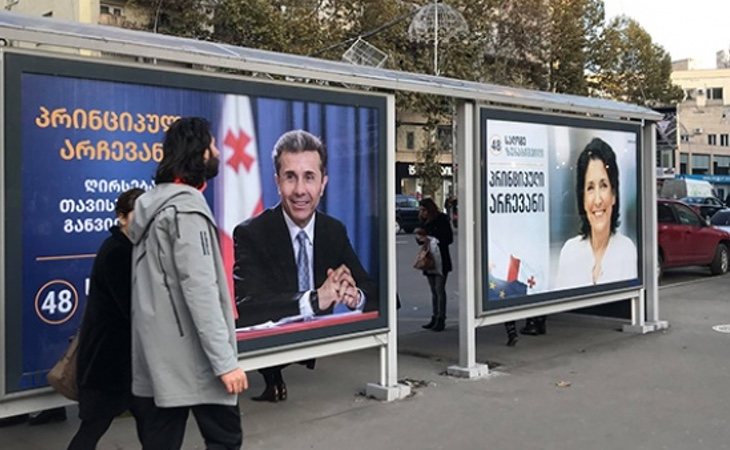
<point>121,41</point>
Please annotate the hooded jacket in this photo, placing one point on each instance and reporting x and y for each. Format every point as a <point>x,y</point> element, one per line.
<point>183,335</point>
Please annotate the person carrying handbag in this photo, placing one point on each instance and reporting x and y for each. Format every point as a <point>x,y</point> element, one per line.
<point>104,368</point>
<point>429,261</point>
<point>436,224</point>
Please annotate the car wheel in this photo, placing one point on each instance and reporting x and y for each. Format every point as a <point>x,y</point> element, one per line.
<point>722,259</point>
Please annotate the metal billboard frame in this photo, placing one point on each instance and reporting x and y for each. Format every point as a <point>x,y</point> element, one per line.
<point>644,299</point>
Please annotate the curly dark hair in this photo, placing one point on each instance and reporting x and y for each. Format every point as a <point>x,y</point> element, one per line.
<point>597,149</point>
<point>183,150</point>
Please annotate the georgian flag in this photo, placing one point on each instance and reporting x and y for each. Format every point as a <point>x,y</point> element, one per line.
<point>239,194</point>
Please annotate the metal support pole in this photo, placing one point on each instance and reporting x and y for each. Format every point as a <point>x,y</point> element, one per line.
<point>638,311</point>
<point>389,389</point>
<point>467,157</point>
<point>651,236</point>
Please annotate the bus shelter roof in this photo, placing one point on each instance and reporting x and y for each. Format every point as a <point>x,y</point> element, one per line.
<point>109,39</point>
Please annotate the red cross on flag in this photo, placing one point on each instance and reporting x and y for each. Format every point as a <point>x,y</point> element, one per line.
<point>239,194</point>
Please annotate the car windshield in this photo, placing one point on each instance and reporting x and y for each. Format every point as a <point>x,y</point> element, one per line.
<point>406,202</point>
<point>721,218</point>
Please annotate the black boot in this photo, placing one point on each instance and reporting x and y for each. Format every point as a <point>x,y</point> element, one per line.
<point>430,325</point>
<point>283,393</point>
<point>439,325</point>
<point>512,336</point>
<point>530,327</point>
<point>270,394</point>
<point>540,324</point>
<point>48,416</point>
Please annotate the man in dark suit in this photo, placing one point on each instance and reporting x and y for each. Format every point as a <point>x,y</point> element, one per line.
<point>266,270</point>
<point>293,260</point>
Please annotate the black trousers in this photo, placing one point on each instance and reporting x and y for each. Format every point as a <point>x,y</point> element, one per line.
<point>272,375</point>
<point>89,433</point>
<point>511,328</point>
<point>164,428</point>
<point>97,410</point>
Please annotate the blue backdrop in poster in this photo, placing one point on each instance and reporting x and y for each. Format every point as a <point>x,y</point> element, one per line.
<point>68,198</point>
<point>75,162</point>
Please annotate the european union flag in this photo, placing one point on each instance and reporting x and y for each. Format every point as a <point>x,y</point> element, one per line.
<point>501,289</point>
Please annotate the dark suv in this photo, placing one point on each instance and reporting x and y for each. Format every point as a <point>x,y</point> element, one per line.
<point>406,212</point>
<point>686,239</point>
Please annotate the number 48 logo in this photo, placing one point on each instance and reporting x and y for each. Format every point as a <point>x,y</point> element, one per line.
<point>56,302</point>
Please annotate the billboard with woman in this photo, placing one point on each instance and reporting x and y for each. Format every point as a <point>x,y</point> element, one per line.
<point>560,200</point>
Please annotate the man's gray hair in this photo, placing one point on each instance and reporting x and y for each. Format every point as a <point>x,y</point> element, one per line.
<point>297,141</point>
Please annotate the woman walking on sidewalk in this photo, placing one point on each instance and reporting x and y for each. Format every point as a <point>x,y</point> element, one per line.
<point>104,374</point>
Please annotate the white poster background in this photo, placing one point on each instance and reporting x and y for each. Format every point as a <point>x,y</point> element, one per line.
<point>518,202</point>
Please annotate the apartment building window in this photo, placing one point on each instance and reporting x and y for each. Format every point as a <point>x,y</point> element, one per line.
<point>110,9</point>
<point>410,140</point>
<point>712,139</point>
<point>700,164</point>
<point>684,137</point>
<point>714,93</point>
<point>444,137</point>
<point>721,165</point>
<point>48,14</point>
<point>666,158</point>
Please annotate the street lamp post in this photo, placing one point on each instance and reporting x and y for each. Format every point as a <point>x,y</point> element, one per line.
<point>438,21</point>
<point>435,38</point>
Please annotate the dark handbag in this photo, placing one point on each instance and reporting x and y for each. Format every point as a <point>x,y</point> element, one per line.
<point>424,259</point>
<point>62,376</point>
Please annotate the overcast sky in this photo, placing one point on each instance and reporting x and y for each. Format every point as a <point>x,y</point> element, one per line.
<point>694,29</point>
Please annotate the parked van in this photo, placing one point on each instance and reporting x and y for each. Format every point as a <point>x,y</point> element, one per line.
<point>685,187</point>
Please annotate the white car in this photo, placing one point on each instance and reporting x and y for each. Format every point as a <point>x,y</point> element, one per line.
<point>721,219</point>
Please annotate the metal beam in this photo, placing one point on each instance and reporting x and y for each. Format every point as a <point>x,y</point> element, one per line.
<point>58,33</point>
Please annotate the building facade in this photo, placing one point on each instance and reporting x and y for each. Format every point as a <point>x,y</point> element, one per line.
<point>703,126</point>
<point>103,12</point>
<point>412,136</point>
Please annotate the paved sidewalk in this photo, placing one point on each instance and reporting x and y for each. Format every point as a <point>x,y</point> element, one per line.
<point>584,385</point>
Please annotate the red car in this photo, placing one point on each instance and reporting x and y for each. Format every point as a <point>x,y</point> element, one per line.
<point>686,239</point>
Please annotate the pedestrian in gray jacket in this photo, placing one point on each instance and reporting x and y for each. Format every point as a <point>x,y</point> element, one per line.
<point>184,352</point>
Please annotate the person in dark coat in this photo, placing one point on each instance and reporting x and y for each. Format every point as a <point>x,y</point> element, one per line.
<point>104,372</point>
<point>437,225</point>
